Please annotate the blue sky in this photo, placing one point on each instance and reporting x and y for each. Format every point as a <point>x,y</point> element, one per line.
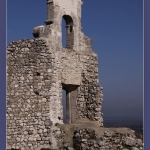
<point>116,30</point>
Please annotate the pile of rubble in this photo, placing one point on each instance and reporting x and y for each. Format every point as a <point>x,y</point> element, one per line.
<point>87,139</point>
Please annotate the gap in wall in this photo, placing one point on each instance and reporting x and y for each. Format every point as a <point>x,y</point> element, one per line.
<point>63,27</point>
<point>64,105</point>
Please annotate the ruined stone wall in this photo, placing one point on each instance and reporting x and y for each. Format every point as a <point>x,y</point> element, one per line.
<point>30,83</point>
<point>82,69</point>
<point>37,71</point>
<point>56,10</point>
<point>35,75</point>
<point>90,95</point>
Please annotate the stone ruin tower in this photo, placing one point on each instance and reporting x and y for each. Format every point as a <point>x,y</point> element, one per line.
<point>37,71</point>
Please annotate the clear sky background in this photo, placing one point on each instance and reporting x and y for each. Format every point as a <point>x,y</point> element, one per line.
<point>116,30</point>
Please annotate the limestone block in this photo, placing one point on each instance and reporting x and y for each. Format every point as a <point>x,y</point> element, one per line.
<point>130,141</point>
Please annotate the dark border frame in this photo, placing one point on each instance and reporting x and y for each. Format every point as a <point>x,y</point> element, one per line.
<point>3,75</point>
<point>146,74</point>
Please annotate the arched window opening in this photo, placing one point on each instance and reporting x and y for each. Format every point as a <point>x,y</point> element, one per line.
<point>63,33</point>
<point>68,34</point>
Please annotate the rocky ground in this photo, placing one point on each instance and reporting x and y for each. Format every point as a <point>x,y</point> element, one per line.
<point>90,136</point>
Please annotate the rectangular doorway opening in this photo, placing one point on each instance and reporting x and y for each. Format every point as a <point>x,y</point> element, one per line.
<point>69,95</point>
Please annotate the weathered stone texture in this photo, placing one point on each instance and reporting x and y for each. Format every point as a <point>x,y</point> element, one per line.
<point>35,78</point>
<point>108,139</point>
<point>28,94</point>
<point>37,71</point>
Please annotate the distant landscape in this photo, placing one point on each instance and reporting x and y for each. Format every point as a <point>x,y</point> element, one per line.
<point>135,124</point>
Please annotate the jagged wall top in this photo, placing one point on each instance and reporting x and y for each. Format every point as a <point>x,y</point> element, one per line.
<point>68,5</point>
<point>58,8</point>
<point>70,11</point>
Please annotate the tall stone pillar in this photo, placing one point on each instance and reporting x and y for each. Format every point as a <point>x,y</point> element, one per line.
<point>50,12</point>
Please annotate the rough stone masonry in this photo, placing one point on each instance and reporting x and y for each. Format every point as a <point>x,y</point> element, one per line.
<point>37,71</point>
